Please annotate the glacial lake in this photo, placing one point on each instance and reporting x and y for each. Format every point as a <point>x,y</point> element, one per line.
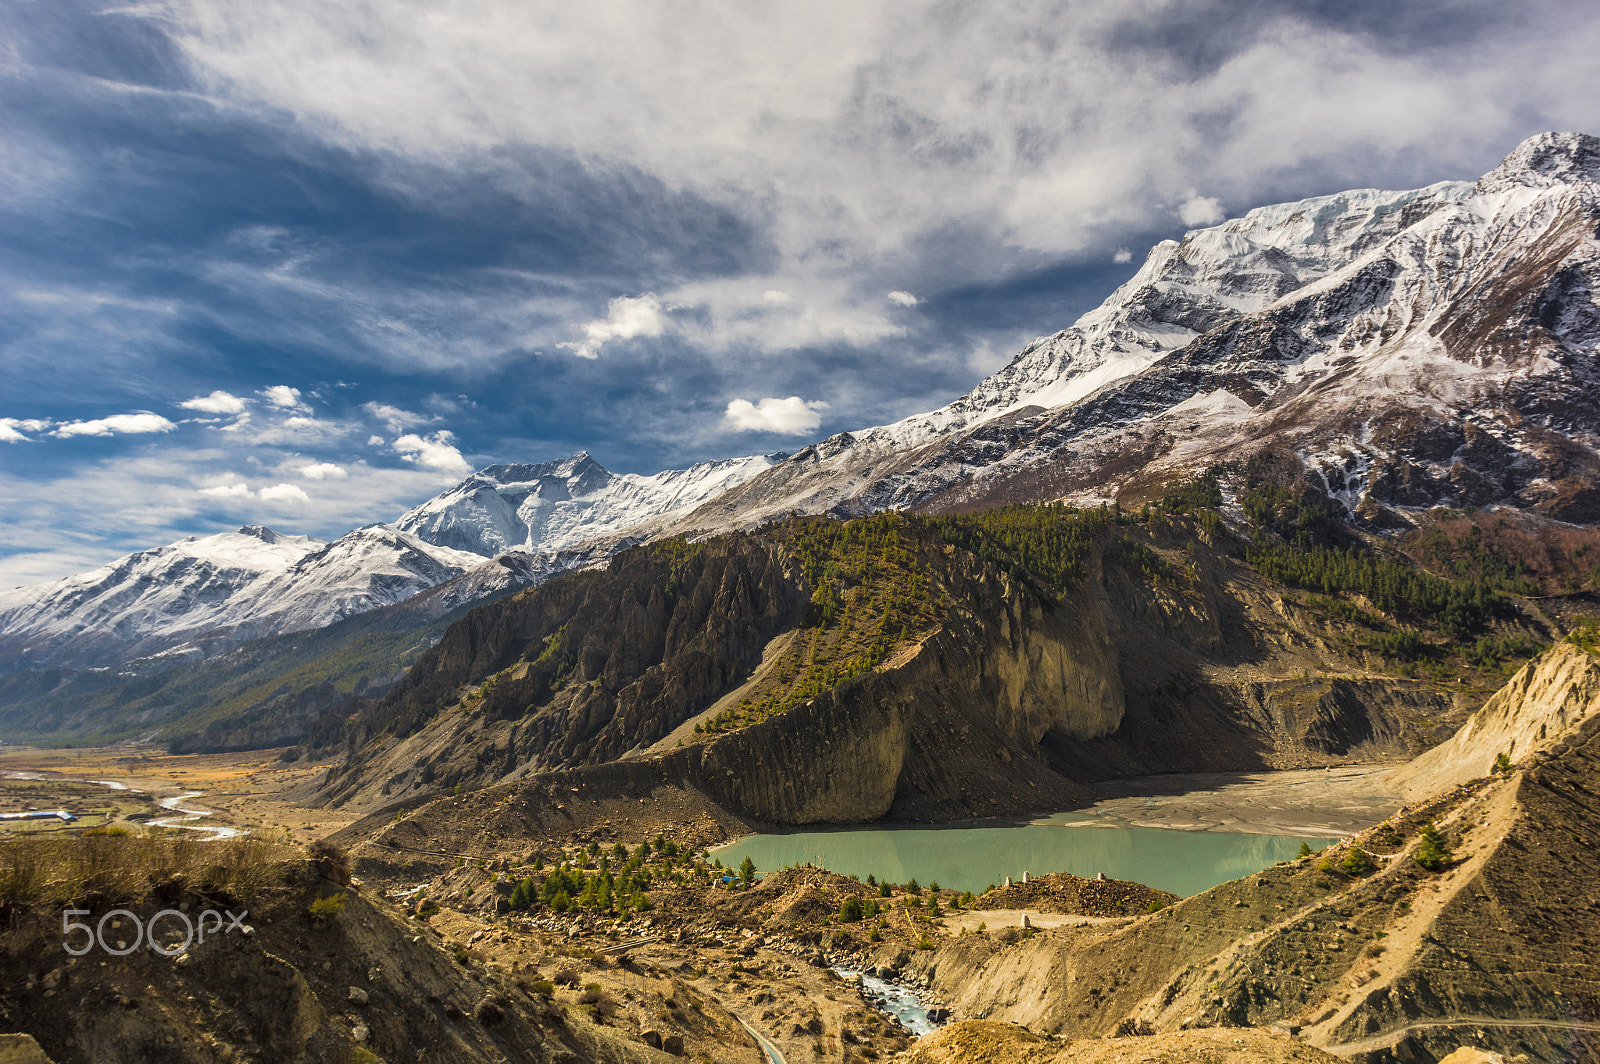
<point>972,856</point>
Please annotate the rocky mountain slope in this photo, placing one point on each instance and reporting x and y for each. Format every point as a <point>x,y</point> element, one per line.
<point>1407,348</point>
<point>200,595</point>
<point>1140,645</point>
<point>1375,958</point>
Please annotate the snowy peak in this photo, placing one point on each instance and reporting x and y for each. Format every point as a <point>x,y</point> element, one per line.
<point>1435,345</point>
<point>143,603</point>
<point>550,506</point>
<point>1546,160</point>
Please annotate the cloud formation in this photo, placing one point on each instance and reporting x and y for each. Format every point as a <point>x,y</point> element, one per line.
<point>290,493</point>
<point>793,416</point>
<point>12,429</point>
<point>1197,211</point>
<point>284,397</point>
<point>626,317</point>
<point>115,425</point>
<point>904,299</point>
<point>323,471</point>
<point>218,402</point>
<point>437,451</point>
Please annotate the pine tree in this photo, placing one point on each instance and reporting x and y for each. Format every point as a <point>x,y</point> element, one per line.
<point>1432,853</point>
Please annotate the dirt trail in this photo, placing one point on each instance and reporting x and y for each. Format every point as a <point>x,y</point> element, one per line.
<point>1406,934</point>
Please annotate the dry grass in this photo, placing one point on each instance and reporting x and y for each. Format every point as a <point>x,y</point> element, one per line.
<point>47,872</point>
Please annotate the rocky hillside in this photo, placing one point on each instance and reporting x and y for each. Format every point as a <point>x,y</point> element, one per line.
<point>816,671</point>
<point>1375,949</point>
<point>1546,698</point>
<point>357,982</point>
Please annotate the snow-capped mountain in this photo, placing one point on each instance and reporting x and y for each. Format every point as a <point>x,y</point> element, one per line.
<point>204,594</point>
<point>1420,347</point>
<point>145,603</point>
<point>556,505</point>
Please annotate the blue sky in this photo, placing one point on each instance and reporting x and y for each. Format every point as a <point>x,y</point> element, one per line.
<point>303,264</point>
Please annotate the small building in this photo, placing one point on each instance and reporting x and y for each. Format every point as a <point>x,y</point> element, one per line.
<point>41,814</point>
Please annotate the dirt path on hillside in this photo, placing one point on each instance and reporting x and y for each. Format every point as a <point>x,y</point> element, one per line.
<point>1405,935</point>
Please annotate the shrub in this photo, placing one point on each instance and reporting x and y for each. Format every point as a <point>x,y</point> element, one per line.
<point>913,887</point>
<point>565,977</point>
<point>1356,862</point>
<point>924,943</point>
<point>1305,850</point>
<point>542,988</point>
<point>747,872</point>
<point>324,909</point>
<point>850,911</point>
<point>1431,851</point>
<point>330,859</point>
<point>1503,765</point>
<point>883,890</point>
<point>114,831</point>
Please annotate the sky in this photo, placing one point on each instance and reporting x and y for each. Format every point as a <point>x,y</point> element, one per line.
<point>306,264</point>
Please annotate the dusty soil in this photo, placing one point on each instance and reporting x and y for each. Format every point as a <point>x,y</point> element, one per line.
<point>979,1042</point>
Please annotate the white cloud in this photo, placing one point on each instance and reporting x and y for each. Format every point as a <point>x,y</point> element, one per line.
<point>904,299</point>
<point>284,397</point>
<point>228,491</point>
<point>1121,255</point>
<point>1197,210</point>
<point>116,424</point>
<point>322,471</point>
<point>283,493</point>
<point>626,317</point>
<point>790,417</point>
<point>218,402</point>
<point>394,417</point>
<point>433,452</point>
<point>774,298</point>
<point>374,441</point>
<point>9,427</point>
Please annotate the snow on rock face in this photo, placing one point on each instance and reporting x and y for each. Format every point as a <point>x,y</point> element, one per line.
<point>1436,345</point>
<point>362,570</point>
<point>554,505</point>
<point>201,595</point>
<point>145,603</point>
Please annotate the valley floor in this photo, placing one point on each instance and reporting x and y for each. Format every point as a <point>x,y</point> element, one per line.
<point>1331,802</point>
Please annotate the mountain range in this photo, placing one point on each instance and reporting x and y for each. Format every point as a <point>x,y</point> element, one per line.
<point>1402,349</point>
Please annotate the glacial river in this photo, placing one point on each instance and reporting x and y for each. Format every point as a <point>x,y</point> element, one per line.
<point>972,856</point>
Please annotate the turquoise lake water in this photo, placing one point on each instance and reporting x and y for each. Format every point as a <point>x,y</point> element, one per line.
<point>972,856</point>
